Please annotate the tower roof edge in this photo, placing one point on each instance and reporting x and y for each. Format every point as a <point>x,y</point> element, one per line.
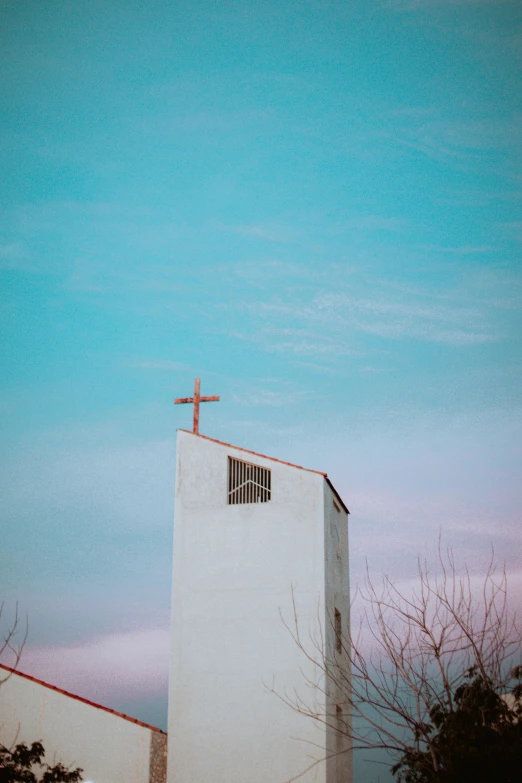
<point>273,459</point>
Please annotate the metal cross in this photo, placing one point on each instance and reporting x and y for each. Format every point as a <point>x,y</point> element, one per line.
<point>196,399</point>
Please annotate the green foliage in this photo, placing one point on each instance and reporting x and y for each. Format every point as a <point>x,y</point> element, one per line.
<point>477,738</point>
<point>25,764</point>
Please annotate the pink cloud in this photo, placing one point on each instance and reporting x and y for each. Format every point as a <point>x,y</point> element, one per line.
<point>107,668</point>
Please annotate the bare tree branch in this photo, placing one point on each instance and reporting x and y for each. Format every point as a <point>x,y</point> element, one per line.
<point>410,655</point>
<point>9,644</point>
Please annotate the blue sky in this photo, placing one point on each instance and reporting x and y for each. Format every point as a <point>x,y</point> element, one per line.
<point>313,206</point>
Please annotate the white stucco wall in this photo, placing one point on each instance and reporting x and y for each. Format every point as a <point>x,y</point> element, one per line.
<point>340,764</point>
<point>234,566</point>
<point>109,748</point>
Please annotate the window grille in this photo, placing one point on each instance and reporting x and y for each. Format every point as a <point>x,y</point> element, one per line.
<point>247,483</point>
<point>338,628</point>
<point>339,728</point>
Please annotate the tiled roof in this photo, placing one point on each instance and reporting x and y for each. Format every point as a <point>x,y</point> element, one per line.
<point>80,698</point>
<point>274,459</point>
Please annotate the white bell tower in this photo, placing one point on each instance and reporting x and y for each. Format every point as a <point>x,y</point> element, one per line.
<point>250,531</point>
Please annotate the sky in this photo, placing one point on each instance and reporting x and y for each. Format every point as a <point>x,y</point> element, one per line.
<point>314,206</point>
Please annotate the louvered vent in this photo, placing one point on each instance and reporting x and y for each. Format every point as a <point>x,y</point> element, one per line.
<point>247,483</point>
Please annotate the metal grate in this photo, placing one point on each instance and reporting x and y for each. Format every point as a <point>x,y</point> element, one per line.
<point>338,628</point>
<point>247,483</point>
<point>339,728</point>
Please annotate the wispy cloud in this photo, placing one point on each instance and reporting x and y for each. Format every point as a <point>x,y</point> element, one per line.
<point>463,139</point>
<point>105,668</point>
<point>514,228</point>
<point>439,321</point>
<point>456,337</point>
<point>477,198</point>
<point>307,344</point>
<point>299,342</point>
<point>268,232</point>
<point>86,277</point>
<point>13,255</point>
<point>410,5</point>
<point>463,250</point>
<point>390,311</point>
<point>157,364</point>
<point>376,223</point>
<point>212,120</point>
<point>95,243</point>
<point>11,250</point>
<point>256,397</point>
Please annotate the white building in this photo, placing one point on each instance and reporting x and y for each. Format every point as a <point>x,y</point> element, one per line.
<point>110,747</point>
<point>249,530</point>
<point>254,539</point>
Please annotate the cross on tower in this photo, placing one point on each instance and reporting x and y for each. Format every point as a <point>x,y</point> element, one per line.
<point>196,399</point>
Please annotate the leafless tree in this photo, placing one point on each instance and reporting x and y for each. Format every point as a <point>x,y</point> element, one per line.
<point>12,641</point>
<point>410,654</point>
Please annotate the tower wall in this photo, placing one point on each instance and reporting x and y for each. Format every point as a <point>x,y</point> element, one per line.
<point>337,598</point>
<point>234,570</point>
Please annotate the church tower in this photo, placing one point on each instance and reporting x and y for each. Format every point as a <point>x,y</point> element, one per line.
<point>253,535</point>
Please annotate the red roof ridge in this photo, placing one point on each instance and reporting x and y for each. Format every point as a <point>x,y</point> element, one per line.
<point>274,459</point>
<point>80,698</point>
